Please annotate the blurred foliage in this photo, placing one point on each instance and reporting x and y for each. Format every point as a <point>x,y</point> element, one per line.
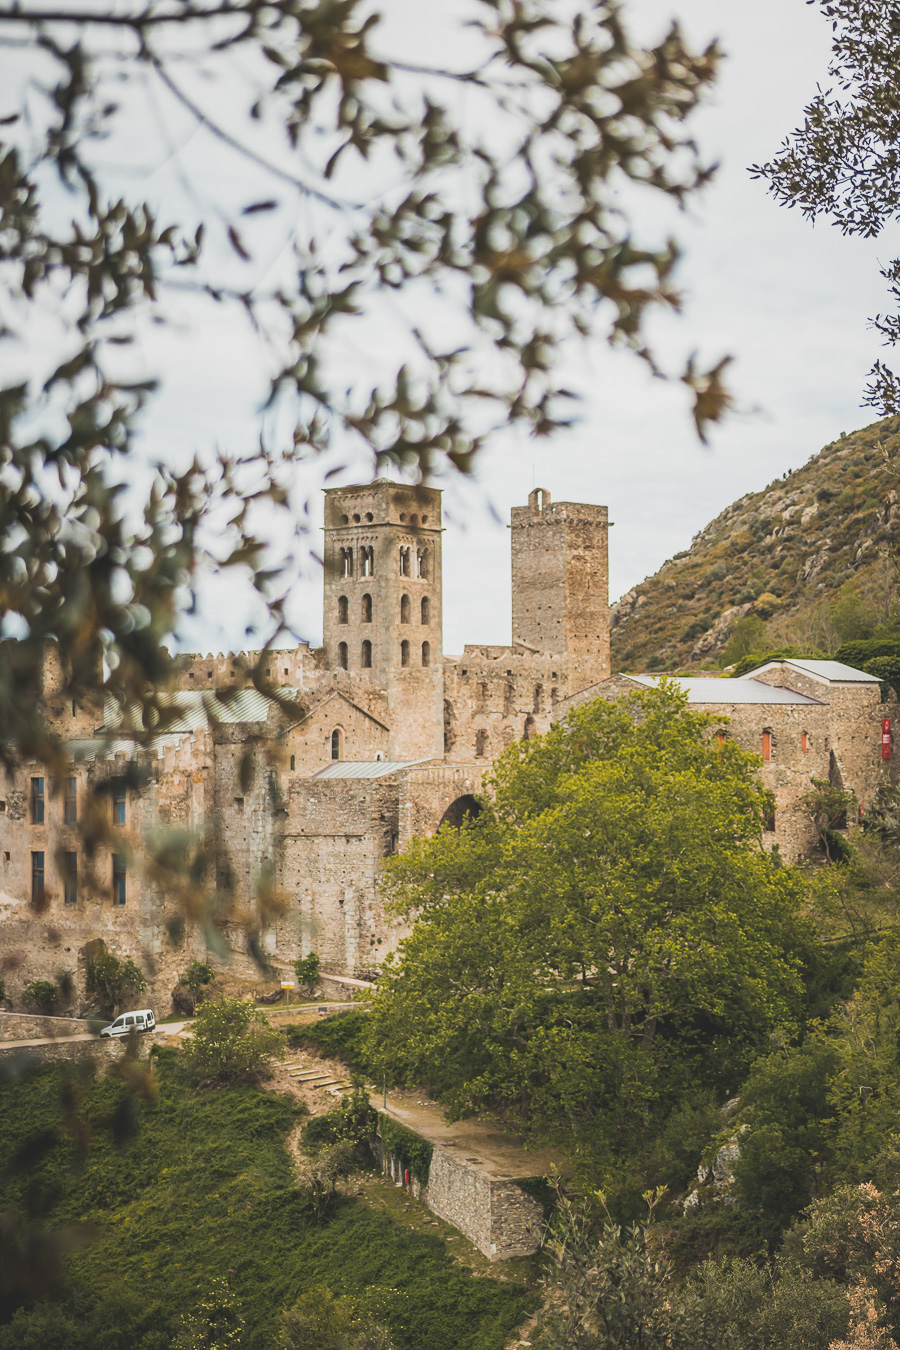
<point>511,224</point>
<point>41,994</point>
<point>198,974</point>
<point>841,163</point>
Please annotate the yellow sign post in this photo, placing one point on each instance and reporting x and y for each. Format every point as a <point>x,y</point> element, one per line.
<point>287,986</point>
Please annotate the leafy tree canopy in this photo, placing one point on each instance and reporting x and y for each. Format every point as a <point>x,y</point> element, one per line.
<point>610,919</point>
<point>483,235</point>
<point>841,163</point>
<point>231,1041</point>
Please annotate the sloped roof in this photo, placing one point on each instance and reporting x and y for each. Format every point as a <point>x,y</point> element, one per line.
<point>713,690</point>
<point>369,768</point>
<point>833,671</point>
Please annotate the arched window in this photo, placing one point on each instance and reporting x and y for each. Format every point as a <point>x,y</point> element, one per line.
<point>404,609</point>
<point>426,653</point>
<point>426,610</point>
<point>346,562</point>
<point>367,562</point>
<point>480,743</point>
<point>367,609</point>
<point>343,609</point>
<point>404,562</point>
<point>342,656</point>
<point>767,745</point>
<point>804,741</point>
<point>538,698</point>
<point>367,655</point>
<point>337,744</point>
<point>529,731</point>
<point>422,564</point>
<point>404,653</point>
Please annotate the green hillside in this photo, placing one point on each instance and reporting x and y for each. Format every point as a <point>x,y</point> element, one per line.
<point>802,563</point>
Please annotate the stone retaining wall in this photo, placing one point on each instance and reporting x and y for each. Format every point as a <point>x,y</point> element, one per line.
<point>27,1027</point>
<point>495,1214</point>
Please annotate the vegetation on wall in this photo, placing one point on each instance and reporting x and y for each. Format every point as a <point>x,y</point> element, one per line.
<point>407,1147</point>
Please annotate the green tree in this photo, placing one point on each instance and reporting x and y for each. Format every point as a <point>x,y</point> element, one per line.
<point>841,163</point>
<point>307,971</point>
<point>216,1323</point>
<point>231,1041</point>
<point>488,241</point>
<point>609,920</point>
<point>113,982</point>
<point>748,635</point>
<point>198,974</point>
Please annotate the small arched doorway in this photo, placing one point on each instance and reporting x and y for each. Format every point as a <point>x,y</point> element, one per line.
<point>463,809</point>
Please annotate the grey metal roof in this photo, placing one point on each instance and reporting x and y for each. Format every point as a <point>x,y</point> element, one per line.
<point>713,690</point>
<point>369,768</point>
<point>832,670</point>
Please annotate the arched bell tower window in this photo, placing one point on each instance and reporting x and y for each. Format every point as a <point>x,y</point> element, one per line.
<point>404,609</point>
<point>342,655</point>
<point>422,561</point>
<point>346,562</point>
<point>538,698</point>
<point>404,653</point>
<point>404,562</point>
<point>367,655</point>
<point>367,562</point>
<point>337,744</point>
<point>426,610</point>
<point>426,653</point>
<point>367,609</point>
<point>343,609</point>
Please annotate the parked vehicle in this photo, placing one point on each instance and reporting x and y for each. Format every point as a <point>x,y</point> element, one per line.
<point>142,1020</point>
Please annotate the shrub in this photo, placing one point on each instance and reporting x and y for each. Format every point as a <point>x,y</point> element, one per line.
<point>410,1149</point>
<point>320,1176</point>
<point>320,1321</point>
<point>340,1035</point>
<point>231,1041</point>
<point>196,976</point>
<point>215,1324</point>
<point>41,994</point>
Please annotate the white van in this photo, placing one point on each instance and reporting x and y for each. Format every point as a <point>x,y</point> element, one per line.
<point>142,1020</point>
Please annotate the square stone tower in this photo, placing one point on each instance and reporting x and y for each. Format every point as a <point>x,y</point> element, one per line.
<point>382,604</point>
<point>560,583</point>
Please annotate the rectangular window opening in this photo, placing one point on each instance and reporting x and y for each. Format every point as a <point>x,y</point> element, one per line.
<point>70,878</point>
<point>119,798</point>
<point>70,802</point>
<point>118,879</point>
<point>37,801</point>
<point>37,878</point>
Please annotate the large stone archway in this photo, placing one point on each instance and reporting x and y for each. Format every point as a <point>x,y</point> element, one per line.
<point>463,808</point>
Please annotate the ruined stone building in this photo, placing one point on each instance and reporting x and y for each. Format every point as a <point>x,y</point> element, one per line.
<point>373,739</point>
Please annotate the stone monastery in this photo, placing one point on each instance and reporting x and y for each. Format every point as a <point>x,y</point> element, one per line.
<point>375,738</point>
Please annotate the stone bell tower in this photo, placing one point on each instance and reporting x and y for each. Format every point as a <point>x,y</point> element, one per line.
<point>560,583</point>
<point>382,604</point>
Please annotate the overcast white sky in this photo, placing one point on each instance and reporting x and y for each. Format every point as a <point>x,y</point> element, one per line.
<point>789,302</point>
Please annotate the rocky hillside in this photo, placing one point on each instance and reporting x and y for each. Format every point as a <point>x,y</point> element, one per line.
<point>804,561</point>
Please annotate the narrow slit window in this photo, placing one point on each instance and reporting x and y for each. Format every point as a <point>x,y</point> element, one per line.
<point>118,879</point>
<point>426,611</point>
<point>804,742</point>
<point>767,746</point>
<point>367,655</point>
<point>367,609</point>
<point>426,653</point>
<point>343,656</point>
<point>37,879</point>
<point>480,743</point>
<point>70,802</point>
<point>367,562</point>
<point>293,763</point>
<point>336,746</point>
<point>37,801</point>
<point>119,801</point>
<point>70,878</point>
<point>346,563</point>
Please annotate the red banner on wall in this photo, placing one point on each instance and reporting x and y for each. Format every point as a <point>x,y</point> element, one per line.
<point>886,738</point>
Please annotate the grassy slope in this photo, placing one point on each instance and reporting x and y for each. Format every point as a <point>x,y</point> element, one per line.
<point>206,1189</point>
<point>754,554</point>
